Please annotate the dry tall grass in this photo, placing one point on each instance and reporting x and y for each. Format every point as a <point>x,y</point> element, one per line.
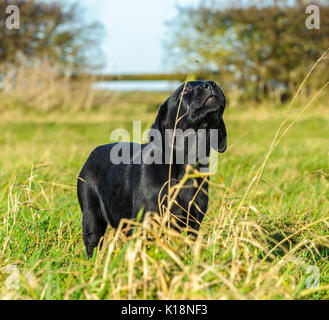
<point>41,86</point>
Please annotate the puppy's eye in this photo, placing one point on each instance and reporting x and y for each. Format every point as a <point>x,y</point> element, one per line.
<point>186,91</point>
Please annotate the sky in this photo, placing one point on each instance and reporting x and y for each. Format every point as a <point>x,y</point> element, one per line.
<point>135,32</point>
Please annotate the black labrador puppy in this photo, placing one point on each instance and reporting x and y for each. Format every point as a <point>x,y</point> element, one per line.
<point>110,190</point>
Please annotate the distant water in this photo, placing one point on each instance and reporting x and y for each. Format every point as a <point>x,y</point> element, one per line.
<point>158,85</point>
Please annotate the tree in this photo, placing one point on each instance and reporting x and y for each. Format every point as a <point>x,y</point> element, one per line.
<point>260,48</point>
<point>51,31</point>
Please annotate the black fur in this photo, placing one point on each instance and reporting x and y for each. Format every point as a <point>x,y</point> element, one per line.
<point>108,192</point>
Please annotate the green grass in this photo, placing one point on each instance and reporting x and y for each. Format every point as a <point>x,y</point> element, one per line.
<point>253,245</point>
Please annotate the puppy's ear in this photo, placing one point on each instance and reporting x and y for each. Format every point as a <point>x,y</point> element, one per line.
<point>161,116</point>
<point>219,143</point>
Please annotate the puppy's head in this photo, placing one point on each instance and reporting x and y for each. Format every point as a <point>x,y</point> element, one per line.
<point>195,105</point>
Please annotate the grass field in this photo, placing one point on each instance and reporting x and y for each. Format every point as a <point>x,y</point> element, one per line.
<point>262,238</point>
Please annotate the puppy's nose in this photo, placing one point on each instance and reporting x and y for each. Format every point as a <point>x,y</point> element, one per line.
<point>209,85</point>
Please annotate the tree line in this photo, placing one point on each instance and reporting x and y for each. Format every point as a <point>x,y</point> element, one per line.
<point>51,31</point>
<point>258,47</point>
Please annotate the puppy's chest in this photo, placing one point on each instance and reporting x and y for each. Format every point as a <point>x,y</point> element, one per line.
<point>154,183</point>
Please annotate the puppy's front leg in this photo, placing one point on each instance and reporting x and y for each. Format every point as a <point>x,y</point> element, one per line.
<point>93,225</point>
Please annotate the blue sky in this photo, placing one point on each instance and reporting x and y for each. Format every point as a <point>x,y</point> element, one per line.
<point>135,31</point>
